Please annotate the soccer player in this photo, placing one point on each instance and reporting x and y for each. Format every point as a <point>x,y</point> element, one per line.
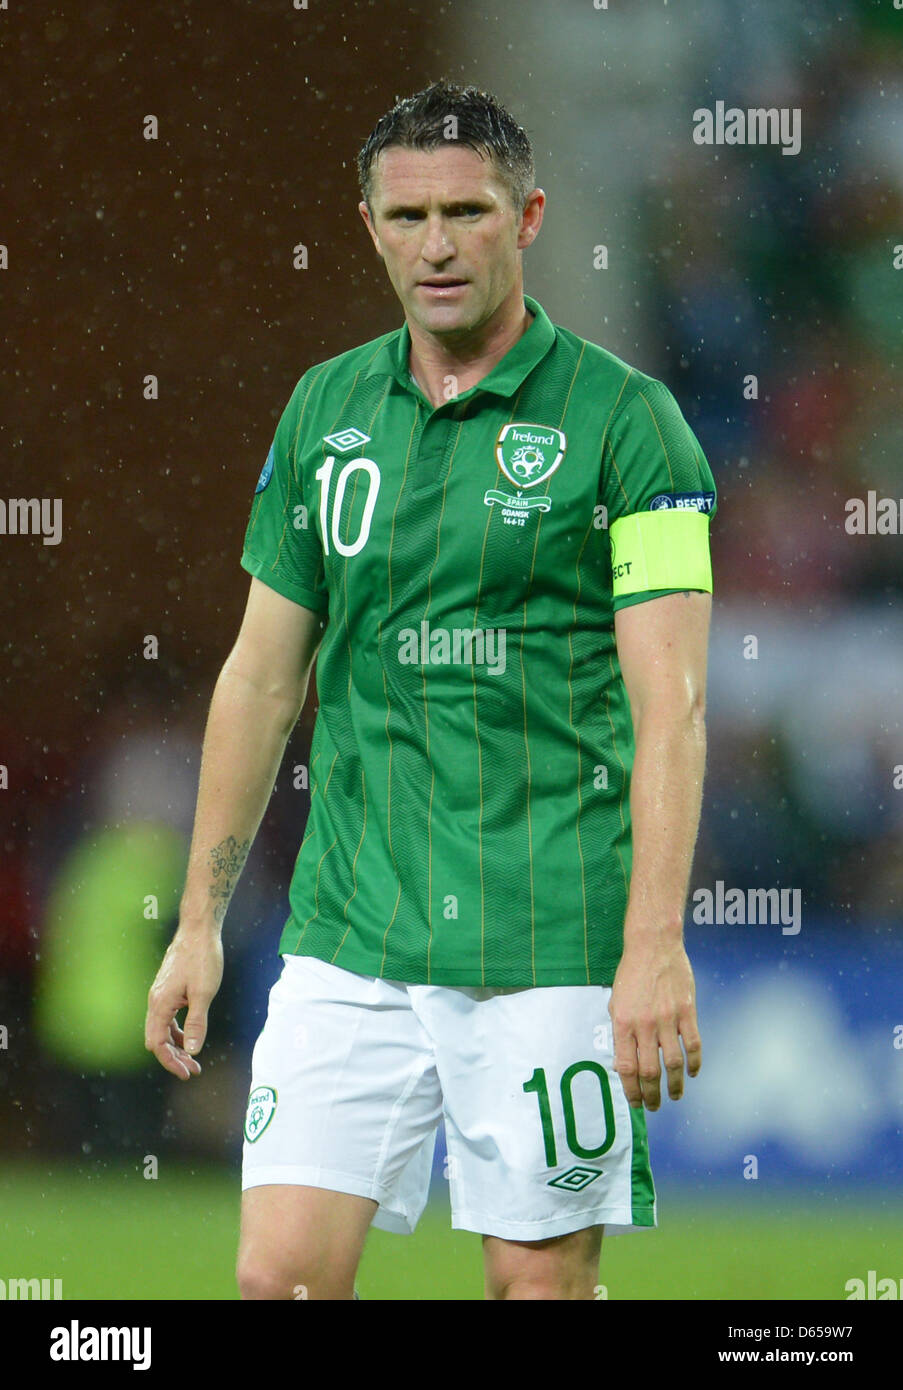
<point>495,533</point>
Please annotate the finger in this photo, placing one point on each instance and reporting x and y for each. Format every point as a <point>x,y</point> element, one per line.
<point>178,1062</point>
<point>692,1045</point>
<point>162,1007</point>
<point>673,1059</point>
<point>173,1060</point>
<point>196,1024</point>
<point>650,1072</point>
<point>177,1043</point>
<point>163,1038</point>
<point>627,1066</point>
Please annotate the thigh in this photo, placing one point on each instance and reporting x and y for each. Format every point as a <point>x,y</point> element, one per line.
<point>301,1242</point>
<point>344,1094</point>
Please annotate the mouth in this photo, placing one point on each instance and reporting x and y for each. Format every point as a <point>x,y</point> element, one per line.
<point>443,286</point>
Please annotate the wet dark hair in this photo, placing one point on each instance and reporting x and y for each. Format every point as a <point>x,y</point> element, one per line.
<point>419,122</point>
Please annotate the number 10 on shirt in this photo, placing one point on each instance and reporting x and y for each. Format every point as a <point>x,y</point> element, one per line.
<point>327,529</point>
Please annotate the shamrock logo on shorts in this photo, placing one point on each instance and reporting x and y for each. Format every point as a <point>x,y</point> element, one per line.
<point>261,1108</point>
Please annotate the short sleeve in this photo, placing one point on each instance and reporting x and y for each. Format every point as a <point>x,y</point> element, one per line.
<point>282,546</point>
<point>651,460</point>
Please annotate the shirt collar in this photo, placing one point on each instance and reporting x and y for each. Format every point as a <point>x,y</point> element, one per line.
<point>506,376</point>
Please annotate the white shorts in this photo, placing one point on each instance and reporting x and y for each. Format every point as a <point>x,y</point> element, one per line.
<point>352,1074</point>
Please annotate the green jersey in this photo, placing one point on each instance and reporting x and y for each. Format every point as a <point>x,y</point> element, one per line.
<point>471,757</point>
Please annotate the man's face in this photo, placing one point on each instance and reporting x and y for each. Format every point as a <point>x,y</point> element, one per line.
<point>445,225</point>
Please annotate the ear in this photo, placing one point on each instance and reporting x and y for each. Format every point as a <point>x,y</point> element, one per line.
<point>368,223</point>
<point>531,219</point>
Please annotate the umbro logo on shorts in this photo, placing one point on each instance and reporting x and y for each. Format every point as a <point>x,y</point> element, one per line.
<point>344,440</point>
<point>576,1179</point>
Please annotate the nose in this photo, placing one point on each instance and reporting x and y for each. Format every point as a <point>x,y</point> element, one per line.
<point>437,245</point>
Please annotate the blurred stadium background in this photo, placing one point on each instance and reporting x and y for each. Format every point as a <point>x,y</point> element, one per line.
<point>173,258</point>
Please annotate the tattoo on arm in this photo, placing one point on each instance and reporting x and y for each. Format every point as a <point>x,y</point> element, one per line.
<point>227,860</point>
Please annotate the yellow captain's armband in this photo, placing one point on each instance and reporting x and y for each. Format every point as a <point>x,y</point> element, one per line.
<point>666,549</point>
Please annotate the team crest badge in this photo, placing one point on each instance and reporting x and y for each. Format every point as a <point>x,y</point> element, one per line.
<point>261,1108</point>
<point>529,454</point>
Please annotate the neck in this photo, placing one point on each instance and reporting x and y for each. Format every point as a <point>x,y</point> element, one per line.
<point>470,356</point>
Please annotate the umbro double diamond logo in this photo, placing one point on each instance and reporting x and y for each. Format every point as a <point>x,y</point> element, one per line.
<point>344,440</point>
<point>576,1179</point>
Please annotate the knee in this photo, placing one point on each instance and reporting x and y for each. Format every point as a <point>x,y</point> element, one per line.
<point>260,1281</point>
<point>559,1267</point>
<point>565,1286</point>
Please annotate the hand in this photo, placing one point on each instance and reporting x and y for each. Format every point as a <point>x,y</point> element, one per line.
<point>653,1006</point>
<point>191,974</point>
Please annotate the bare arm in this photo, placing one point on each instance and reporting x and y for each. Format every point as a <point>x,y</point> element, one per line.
<point>662,649</point>
<point>256,702</point>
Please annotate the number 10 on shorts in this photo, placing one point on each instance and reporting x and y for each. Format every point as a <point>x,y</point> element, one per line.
<point>539,1086</point>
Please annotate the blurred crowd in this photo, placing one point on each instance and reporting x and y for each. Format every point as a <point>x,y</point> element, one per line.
<point>94,863</point>
<point>779,299</point>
